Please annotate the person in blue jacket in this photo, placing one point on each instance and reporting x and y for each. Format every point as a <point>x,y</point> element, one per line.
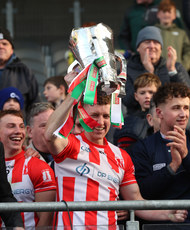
<point>162,160</point>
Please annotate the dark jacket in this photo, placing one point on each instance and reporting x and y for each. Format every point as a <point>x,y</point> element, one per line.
<point>151,157</point>
<point>135,128</point>
<point>186,9</point>
<point>18,75</point>
<point>135,68</point>
<point>11,219</point>
<point>136,17</point>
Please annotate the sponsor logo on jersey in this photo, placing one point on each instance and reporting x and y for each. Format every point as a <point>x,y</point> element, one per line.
<point>86,149</point>
<point>8,168</point>
<point>82,169</point>
<point>46,175</point>
<point>101,152</point>
<point>23,191</point>
<point>108,177</point>
<point>120,162</point>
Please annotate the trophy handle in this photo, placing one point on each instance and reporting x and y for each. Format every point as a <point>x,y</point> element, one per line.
<point>122,77</point>
<point>75,66</point>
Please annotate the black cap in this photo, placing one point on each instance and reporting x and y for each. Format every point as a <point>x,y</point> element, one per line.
<point>5,34</point>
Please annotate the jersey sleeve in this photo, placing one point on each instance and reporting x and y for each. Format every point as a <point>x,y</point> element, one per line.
<point>41,175</point>
<point>129,170</point>
<point>71,150</point>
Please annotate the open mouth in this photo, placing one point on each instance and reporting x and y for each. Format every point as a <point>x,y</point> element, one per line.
<point>16,139</point>
<point>99,128</point>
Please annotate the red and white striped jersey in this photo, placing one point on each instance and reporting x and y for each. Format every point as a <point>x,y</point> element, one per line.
<point>89,172</point>
<point>27,177</point>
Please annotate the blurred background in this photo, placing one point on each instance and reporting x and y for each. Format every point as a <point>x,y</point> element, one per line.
<point>45,21</point>
<point>41,28</point>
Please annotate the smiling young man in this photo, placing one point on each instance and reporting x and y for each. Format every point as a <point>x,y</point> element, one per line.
<point>31,179</point>
<point>162,161</point>
<point>89,168</point>
<point>149,47</point>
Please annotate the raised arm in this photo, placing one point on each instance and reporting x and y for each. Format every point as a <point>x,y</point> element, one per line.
<point>56,144</point>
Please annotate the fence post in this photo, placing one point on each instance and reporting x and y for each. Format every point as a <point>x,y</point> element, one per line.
<point>132,224</point>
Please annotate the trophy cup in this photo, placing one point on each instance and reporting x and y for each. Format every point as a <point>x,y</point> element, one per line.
<point>90,43</point>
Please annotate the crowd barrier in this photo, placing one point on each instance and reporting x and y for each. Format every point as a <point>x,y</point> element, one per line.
<point>132,224</point>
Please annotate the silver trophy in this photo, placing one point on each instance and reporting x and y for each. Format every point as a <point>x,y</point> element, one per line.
<point>88,44</point>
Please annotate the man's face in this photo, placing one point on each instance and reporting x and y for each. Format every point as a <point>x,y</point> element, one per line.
<point>167,17</point>
<point>37,129</point>
<point>174,112</point>
<point>6,50</point>
<point>100,113</point>
<point>151,48</point>
<point>12,133</point>
<point>144,94</point>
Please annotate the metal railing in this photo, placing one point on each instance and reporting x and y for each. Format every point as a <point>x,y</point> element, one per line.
<point>97,206</point>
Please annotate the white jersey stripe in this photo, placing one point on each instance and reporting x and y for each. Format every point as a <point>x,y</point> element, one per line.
<point>96,180</point>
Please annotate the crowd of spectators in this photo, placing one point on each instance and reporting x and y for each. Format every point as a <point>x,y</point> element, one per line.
<point>149,156</point>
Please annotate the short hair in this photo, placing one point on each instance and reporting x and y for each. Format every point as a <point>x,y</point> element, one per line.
<point>166,5</point>
<point>102,97</point>
<point>36,109</point>
<point>17,113</point>
<point>169,91</point>
<point>146,79</point>
<point>57,81</point>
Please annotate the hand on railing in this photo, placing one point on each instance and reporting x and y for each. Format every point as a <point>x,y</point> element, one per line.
<point>177,215</point>
<point>122,214</point>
